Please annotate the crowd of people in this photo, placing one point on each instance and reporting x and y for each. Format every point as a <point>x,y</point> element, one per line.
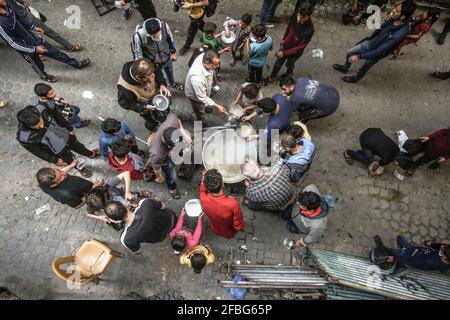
<point>46,128</point>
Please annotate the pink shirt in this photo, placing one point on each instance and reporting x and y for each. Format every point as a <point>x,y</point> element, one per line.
<point>192,239</point>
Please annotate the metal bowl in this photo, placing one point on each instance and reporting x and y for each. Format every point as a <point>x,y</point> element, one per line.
<point>228,40</point>
<point>226,151</point>
<point>161,102</point>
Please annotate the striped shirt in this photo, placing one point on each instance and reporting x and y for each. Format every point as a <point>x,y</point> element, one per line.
<point>275,191</point>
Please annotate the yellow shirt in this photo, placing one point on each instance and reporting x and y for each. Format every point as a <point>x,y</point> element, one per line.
<point>186,257</point>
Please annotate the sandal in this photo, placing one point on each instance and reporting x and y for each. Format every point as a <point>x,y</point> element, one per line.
<point>76,47</point>
<point>178,86</point>
<point>347,158</point>
<point>145,194</point>
<point>85,172</point>
<point>176,195</point>
<point>95,153</point>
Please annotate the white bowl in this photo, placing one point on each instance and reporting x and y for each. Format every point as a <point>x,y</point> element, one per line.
<point>193,208</point>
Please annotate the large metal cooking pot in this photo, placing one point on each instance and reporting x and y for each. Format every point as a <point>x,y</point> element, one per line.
<point>226,151</point>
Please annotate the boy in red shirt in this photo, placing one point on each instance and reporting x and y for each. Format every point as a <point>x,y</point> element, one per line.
<point>120,159</point>
<point>223,212</point>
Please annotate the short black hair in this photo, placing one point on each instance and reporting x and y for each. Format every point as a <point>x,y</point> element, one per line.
<point>246,18</point>
<point>287,81</point>
<point>210,27</point>
<point>210,55</point>
<point>267,105</point>
<point>179,242</point>
<point>310,200</point>
<point>434,13</point>
<point>288,141</point>
<point>169,136</point>
<point>115,210</point>
<point>111,125</point>
<point>296,131</point>
<point>152,25</point>
<point>98,198</point>
<point>408,8</point>
<point>213,181</point>
<point>45,177</point>
<point>405,161</point>
<point>42,89</point>
<point>251,91</point>
<point>29,116</point>
<point>305,9</point>
<point>198,262</point>
<point>120,149</point>
<point>259,31</point>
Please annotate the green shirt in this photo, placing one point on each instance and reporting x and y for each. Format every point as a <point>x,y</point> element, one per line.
<point>211,43</point>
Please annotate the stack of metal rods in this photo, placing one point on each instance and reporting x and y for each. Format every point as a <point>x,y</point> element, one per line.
<point>276,277</point>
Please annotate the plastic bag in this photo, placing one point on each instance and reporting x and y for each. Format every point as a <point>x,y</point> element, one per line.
<point>237,293</point>
<point>331,201</point>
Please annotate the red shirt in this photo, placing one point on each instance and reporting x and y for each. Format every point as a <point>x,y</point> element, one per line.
<point>224,213</point>
<point>439,143</point>
<point>127,166</point>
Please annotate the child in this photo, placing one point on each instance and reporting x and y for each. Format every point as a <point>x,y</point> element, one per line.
<point>113,130</point>
<point>241,29</point>
<point>97,198</point>
<point>197,258</point>
<point>120,159</point>
<point>248,96</point>
<point>58,108</point>
<point>259,49</point>
<point>182,237</point>
<point>421,26</point>
<point>210,40</point>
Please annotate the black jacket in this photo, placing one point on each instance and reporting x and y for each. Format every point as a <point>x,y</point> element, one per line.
<point>128,99</point>
<point>31,139</point>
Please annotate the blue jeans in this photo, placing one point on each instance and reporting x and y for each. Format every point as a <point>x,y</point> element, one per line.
<point>368,63</point>
<point>364,156</point>
<point>75,121</point>
<point>402,243</point>
<point>168,70</point>
<point>268,9</point>
<point>290,65</point>
<point>170,174</point>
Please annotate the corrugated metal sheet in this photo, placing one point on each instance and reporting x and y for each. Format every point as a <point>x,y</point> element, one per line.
<point>338,292</point>
<point>361,274</point>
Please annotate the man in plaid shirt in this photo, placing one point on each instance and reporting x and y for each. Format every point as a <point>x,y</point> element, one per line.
<point>267,188</point>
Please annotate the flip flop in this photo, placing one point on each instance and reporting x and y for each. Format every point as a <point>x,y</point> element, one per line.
<point>347,158</point>
<point>76,47</point>
<point>176,195</point>
<point>145,194</point>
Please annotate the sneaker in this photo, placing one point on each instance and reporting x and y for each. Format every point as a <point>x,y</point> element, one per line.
<point>84,63</point>
<point>126,14</point>
<point>350,79</point>
<point>268,25</point>
<point>434,165</point>
<point>340,68</point>
<point>3,103</point>
<point>84,123</point>
<point>183,51</point>
<point>441,39</point>
<point>441,75</point>
<point>378,241</point>
<point>177,86</point>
